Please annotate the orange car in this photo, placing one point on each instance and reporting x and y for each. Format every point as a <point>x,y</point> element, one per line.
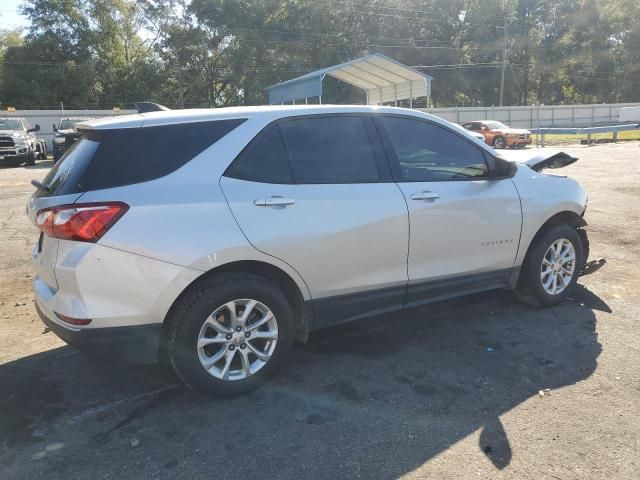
<point>500,135</point>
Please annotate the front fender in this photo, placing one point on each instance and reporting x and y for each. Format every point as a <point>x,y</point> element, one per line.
<point>543,197</point>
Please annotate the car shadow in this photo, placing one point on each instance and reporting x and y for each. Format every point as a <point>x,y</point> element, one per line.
<point>372,399</point>
<point>40,165</point>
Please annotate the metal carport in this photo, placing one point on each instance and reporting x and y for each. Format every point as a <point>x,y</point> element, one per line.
<point>383,79</point>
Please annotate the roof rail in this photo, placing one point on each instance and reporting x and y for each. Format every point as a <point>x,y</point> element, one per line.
<point>144,107</point>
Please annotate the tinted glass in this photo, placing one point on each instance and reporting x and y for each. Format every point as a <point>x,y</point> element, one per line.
<point>66,174</point>
<point>427,152</point>
<point>265,160</point>
<point>332,149</point>
<point>114,158</point>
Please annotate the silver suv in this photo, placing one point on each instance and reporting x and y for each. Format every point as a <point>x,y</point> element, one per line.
<point>215,238</point>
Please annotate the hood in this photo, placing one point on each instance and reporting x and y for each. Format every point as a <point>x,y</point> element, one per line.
<point>9,132</point>
<point>540,160</point>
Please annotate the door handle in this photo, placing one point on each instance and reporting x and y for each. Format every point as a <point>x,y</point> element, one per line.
<point>275,201</point>
<point>425,196</point>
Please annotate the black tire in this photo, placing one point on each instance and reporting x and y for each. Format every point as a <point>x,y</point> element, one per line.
<point>530,288</point>
<point>188,316</point>
<point>499,142</point>
<point>31,159</point>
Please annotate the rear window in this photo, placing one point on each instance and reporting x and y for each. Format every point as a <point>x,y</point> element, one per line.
<point>115,158</point>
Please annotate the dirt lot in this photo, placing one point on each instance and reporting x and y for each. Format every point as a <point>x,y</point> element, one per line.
<point>448,391</point>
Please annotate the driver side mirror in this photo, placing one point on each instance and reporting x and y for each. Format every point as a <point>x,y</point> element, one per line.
<point>502,168</point>
<point>36,128</point>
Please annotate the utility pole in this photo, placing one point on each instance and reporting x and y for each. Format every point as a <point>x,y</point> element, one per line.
<point>504,61</point>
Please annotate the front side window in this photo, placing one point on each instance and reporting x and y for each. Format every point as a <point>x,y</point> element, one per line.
<point>429,153</point>
<point>312,150</point>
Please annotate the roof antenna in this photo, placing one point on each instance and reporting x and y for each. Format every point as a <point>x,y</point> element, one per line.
<point>144,107</point>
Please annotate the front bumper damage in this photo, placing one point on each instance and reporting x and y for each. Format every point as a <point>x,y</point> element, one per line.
<point>590,266</point>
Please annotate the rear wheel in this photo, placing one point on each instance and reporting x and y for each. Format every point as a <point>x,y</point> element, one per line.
<point>499,142</point>
<point>230,333</point>
<point>552,266</point>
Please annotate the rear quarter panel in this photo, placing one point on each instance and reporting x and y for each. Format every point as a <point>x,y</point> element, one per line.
<point>183,218</point>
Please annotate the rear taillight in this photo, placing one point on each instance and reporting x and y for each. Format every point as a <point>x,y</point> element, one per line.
<point>83,222</point>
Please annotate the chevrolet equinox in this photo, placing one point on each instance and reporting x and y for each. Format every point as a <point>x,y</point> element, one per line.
<point>216,238</point>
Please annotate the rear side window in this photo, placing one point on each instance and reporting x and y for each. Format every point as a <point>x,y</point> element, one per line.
<point>114,158</point>
<point>265,159</point>
<point>429,153</point>
<point>314,150</point>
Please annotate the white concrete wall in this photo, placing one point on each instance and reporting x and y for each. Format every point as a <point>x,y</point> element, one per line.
<point>537,116</point>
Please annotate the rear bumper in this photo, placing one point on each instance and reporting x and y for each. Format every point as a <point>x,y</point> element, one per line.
<point>134,344</point>
<point>126,296</point>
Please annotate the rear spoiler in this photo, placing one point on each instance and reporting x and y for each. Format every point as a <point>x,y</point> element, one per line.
<point>540,161</point>
<point>144,107</point>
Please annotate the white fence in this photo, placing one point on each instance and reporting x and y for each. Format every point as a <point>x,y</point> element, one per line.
<point>46,119</point>
<point>537,116</point>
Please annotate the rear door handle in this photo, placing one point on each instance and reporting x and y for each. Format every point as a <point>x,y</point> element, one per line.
<point>275,201</point>
<point>426,195</point>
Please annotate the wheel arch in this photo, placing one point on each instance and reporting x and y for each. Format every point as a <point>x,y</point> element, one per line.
<point>302,310</point>
<point>565,217</point>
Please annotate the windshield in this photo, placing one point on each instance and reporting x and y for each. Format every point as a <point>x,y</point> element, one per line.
<point>495,125</point>
<point>10,124</point>
<point>67,124</point>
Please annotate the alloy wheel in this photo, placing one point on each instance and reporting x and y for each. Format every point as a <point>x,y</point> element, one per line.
<point>237,339</point>
<point>558,266</point>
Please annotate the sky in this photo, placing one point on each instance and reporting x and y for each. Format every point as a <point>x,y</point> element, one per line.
<point>9,16</point>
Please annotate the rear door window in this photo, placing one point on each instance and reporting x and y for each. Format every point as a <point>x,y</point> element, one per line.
<point>330,150</point>
<point>115,158</point>
<point>313,150</point>
<point>264,160</point>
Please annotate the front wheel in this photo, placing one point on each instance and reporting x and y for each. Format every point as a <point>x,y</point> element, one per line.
<point>230,333</point>
<point>552,266</point>
<point>31,159</point>
<point>499,142</point>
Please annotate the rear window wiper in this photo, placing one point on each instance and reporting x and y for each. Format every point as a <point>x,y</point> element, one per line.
<point>40,185</point>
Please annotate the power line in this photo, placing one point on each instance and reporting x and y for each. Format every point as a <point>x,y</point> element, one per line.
<point>511,19</point>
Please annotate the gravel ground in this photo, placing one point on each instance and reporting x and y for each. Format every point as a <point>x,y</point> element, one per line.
<point>445,391</point>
